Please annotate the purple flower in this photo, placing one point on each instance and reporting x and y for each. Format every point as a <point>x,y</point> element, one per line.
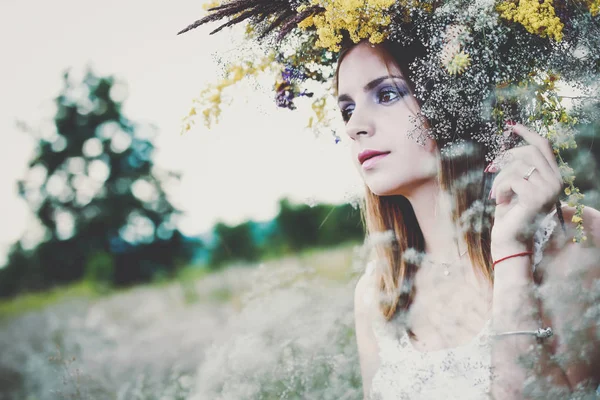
<point>290,73</point>
<point>286,93</point>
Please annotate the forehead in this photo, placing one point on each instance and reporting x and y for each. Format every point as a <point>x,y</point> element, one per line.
<point>361,65</point>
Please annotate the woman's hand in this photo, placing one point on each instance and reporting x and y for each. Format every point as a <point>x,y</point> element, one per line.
<point>521,202</point>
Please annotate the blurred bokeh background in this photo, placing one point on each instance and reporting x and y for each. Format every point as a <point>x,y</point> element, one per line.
<point>140,263</point>
<point>127,247</point>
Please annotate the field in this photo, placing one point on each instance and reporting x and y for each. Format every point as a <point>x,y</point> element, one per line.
<point>282,329</point>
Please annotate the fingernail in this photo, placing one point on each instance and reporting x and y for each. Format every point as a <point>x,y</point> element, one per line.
<point>510,123</point>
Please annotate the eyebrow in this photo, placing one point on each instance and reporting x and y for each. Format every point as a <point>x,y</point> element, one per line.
<point>370,86</point>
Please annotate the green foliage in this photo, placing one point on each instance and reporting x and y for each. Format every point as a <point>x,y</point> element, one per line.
<point>100,270</point>
<point>28,302</point>
<point>192,272</point>
<point>296,228</point>
<point>303,226</point>
<point>585,159</point>
<point>93,186</point>
<point>234,244</point>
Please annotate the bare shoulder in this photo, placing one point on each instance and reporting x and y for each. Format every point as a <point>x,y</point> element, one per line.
<point>362,291</point>
<point>561,243</point>
<point>591,222</point>
<point>571,271</point>
<point>584,256</point>
<point>365,303</point>
<point>364,309</point>
<point>563,257</point>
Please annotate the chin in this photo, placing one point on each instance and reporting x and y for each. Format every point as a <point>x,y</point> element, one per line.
<point>386,184</point>
<point>382,186</point>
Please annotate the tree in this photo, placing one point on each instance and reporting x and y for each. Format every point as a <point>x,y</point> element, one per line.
<point>93,187</point>
<point>585,159</point>
<point>302,226</point>
<point>235,243</point>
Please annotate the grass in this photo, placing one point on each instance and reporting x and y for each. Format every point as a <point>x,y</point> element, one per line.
<point>273,329</point>
<point>331,263</point>
<point>28,302</point>
<point>277,328</point>
<point>318,258</point>
<point>192,273</point>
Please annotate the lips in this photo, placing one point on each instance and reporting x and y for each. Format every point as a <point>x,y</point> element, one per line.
<point>367,154</point>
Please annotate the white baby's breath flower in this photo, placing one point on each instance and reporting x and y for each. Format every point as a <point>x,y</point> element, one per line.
<point>413,256</point>
<point>377,238</point>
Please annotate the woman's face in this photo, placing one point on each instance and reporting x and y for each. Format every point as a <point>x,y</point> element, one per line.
<point>377,108</point>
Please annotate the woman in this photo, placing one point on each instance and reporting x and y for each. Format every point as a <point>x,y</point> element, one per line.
<point>448,311</point>
<point>439,306</point>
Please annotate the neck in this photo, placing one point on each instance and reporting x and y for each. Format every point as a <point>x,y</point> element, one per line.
<point>432,207</point>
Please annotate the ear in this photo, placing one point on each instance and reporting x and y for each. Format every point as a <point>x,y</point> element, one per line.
<point>430,145</point>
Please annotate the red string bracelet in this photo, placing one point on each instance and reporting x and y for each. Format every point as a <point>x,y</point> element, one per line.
<point>511,256</point>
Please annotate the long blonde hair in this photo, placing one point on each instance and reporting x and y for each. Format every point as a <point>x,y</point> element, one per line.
<point>395,214</point>
<point>462,176</point>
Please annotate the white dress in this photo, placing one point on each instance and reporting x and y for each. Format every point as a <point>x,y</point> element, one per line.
<point>461,372</point>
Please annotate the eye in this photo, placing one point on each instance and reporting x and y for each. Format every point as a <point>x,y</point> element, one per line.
<point>347,112</point>
<point>388,95</point>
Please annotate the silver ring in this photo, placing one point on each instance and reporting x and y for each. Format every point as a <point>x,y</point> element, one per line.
<point>528,174</point>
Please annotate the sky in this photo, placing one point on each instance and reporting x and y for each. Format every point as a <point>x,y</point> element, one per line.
<point>236,171</point>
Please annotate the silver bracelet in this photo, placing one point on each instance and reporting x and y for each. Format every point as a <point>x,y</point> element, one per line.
<point>541,333</point>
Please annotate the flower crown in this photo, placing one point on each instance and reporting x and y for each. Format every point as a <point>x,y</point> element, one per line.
<point>485,61</point>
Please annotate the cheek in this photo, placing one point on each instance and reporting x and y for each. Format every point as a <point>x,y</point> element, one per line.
<point>410,143</point>
<point>354,154</point>
<point>408,163</point>
<point>412,163</point>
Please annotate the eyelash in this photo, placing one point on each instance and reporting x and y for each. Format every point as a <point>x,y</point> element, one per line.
<point>398,91</point>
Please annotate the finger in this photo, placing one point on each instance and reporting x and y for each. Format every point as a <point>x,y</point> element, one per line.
<point>515,171</point>
<point>540,142</point>
<point>506,190</point>
<point>520,167</point>
<point>531,156</point>
<point>530,196</point>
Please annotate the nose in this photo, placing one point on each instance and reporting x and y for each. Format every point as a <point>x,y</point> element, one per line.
<point>359,124</point>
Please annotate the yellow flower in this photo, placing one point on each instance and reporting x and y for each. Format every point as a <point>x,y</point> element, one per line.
<point>453,58</point>
<point>215,98</point>
<point>237,72</point>
<point>211,98</point>
<point>576,219</point>
<point>458,63</point>
<point>595,7</point>
<point>362,19</point>
<point>377,37</point>
<point>539,19</point>
<point>306,23</point>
